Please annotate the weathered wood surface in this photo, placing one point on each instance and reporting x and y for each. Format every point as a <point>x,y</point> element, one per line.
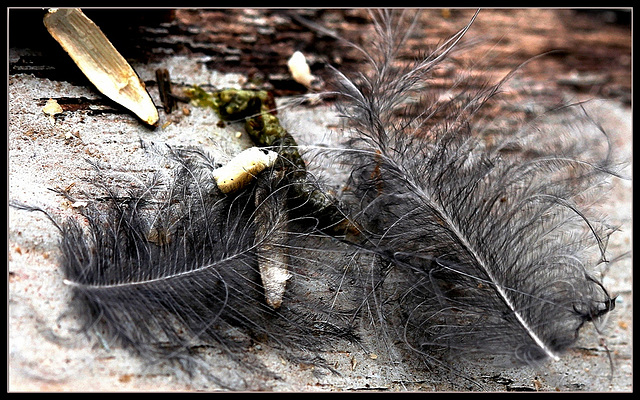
<point>589,54</point>
<point>250,48</point>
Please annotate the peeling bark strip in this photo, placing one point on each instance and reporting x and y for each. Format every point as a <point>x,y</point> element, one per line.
<point>99,60</point>
<point>273,257</point>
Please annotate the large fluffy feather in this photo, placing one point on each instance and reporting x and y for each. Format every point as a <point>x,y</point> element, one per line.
<point>170,267</point>
<point>491,242</point>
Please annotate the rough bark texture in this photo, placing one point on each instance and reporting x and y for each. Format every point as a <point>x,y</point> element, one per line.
<point>590,50</point>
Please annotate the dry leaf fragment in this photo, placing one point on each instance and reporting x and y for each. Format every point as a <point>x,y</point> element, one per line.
<point>51,108</point>
<point>99,60</point>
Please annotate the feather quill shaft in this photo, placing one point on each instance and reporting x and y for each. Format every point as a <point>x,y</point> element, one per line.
<point>499,288</point>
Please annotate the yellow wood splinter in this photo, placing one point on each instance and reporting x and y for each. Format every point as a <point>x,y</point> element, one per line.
<point>99,60</point>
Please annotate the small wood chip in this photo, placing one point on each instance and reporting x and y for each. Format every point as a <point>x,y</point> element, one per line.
<point>299,69</point>
<point>51,108</point>
<point>242,168</point>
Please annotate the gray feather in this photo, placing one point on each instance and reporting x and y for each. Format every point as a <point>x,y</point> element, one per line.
<point>493,245</point>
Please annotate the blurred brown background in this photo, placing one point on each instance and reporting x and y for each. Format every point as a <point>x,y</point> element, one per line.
<point>591,49</point>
